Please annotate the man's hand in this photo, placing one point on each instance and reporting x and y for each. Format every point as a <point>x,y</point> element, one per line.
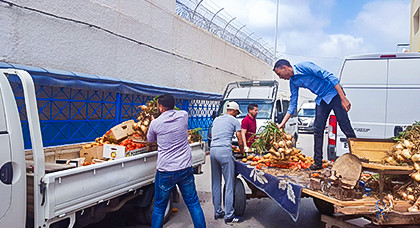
<point>345,103</point>
<point>280,126</point>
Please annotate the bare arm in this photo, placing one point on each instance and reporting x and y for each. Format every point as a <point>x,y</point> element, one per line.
<point>284,121</point>
<point>344,101</point>
<point>243,133</point>
<point>240,141</point>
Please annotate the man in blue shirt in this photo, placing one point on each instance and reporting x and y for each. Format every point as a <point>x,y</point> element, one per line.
<point>330,97</point>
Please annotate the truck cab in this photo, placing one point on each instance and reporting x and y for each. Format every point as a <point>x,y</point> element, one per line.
<point>272,104</point>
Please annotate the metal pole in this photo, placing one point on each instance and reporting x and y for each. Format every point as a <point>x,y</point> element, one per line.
<point>196,9</point>
<point>277,26</point>
<point>227,25</point>
<point>211,21</point>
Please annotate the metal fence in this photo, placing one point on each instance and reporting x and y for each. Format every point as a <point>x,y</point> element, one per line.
<point>224,27</point>
<point>74,115</point>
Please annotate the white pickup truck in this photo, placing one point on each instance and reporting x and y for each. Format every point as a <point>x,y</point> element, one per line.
<point>42,196</point>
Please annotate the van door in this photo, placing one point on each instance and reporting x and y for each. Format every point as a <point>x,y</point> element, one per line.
<point>364,82</point>
<point>6,170</point>
<point>12,159</point>
<point>403,94</point>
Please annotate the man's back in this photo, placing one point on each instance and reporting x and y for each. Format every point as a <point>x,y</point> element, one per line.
<point>223,129</point>
<point>170,130</point>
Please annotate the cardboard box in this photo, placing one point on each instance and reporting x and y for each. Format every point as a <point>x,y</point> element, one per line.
<point>121,131</point>
<point>113,151</point>
<point>92,153</point>
<point>75,162</point>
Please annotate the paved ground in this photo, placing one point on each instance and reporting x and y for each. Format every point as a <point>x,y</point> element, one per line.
<point>258,213</point>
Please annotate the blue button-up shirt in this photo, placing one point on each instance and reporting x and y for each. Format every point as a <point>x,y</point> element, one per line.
<point>317,80</point>
<point>170,130</point>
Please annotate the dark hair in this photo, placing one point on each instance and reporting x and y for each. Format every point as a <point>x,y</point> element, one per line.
<point>167,101</point>
<point>281,62</point>
<point>252,106</point>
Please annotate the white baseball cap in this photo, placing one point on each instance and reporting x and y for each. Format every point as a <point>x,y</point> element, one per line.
<point>233,105</point>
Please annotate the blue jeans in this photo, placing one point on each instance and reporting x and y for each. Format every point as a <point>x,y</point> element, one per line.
<point>322,112</point>
<point>164,183</point>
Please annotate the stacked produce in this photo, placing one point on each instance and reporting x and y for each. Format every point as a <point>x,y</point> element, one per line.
<point>407,152</point>
<point>145,117</point>
<point>195,135</point>
<point>281,152</point>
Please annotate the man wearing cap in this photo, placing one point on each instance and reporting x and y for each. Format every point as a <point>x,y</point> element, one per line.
<point>222,161</point>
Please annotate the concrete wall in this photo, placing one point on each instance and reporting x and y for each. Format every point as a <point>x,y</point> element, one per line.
<point>141,40</point>
<point>415,26</point>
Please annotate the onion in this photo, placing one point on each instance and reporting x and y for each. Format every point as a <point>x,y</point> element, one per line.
<point>406,153</point>
<point>410,197</point>
<point>146,122</point>
<point>416,176</point>
<point>389,159</point>
<point>413,208</point>
<point>415,158</point>
<point>289,143</point>
<point>408,144</point>
<point>289,137</point>
<point>416,166</point>
<point>282,144</point>
<point>399,146</point>
<point>400,158</point>
<point>409,189</point>
<point>404,195</point>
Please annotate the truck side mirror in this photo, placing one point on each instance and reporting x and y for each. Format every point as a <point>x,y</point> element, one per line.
<point>213,115</point>
<point>279,117</point>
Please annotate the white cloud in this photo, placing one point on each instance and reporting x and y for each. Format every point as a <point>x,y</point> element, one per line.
<point>303,27</point>
<point>383,24</point>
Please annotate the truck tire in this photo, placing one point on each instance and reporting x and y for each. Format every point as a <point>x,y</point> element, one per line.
<point>324,207</point>
<point>147,212</point>
<point>239,198</point>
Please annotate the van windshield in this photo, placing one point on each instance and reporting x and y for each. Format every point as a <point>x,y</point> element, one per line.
<point>264,108</point>
<point>305,112</point>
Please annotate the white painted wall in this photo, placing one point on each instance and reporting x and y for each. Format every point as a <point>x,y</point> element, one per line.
<point>36,39</point>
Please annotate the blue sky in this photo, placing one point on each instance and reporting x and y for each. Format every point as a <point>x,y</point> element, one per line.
<point>323,31</point>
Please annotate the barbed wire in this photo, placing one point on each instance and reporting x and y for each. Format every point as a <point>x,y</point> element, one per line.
<point>224,27</point>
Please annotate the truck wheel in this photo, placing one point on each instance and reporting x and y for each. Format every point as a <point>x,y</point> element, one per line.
<point>147,212</point>
<point>324,207</point>
<point>239,198</point>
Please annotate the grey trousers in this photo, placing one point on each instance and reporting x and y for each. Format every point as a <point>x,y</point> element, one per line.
<point>222,162</point>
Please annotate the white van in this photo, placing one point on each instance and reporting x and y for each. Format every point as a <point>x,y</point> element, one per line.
<point>384,90</point>
<point>272,104</point>
<point>306,115</point>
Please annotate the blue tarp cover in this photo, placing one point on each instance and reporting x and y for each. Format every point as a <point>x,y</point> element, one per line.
<point>50,77</point>
<point>285,193</point>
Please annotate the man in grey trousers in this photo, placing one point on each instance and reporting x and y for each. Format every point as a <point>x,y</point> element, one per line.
<point>222,161</point>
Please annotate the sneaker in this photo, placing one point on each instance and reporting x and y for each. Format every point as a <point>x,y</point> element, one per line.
<point>219,216</point>
<point>234,219</point>
<point>314,167</point>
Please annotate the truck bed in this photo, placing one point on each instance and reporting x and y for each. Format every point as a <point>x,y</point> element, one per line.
<point>71,190</point>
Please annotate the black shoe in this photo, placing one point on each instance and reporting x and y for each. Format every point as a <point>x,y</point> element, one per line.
<point>219,216</point>
<point>315,167</point>
<point>233,219</point>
